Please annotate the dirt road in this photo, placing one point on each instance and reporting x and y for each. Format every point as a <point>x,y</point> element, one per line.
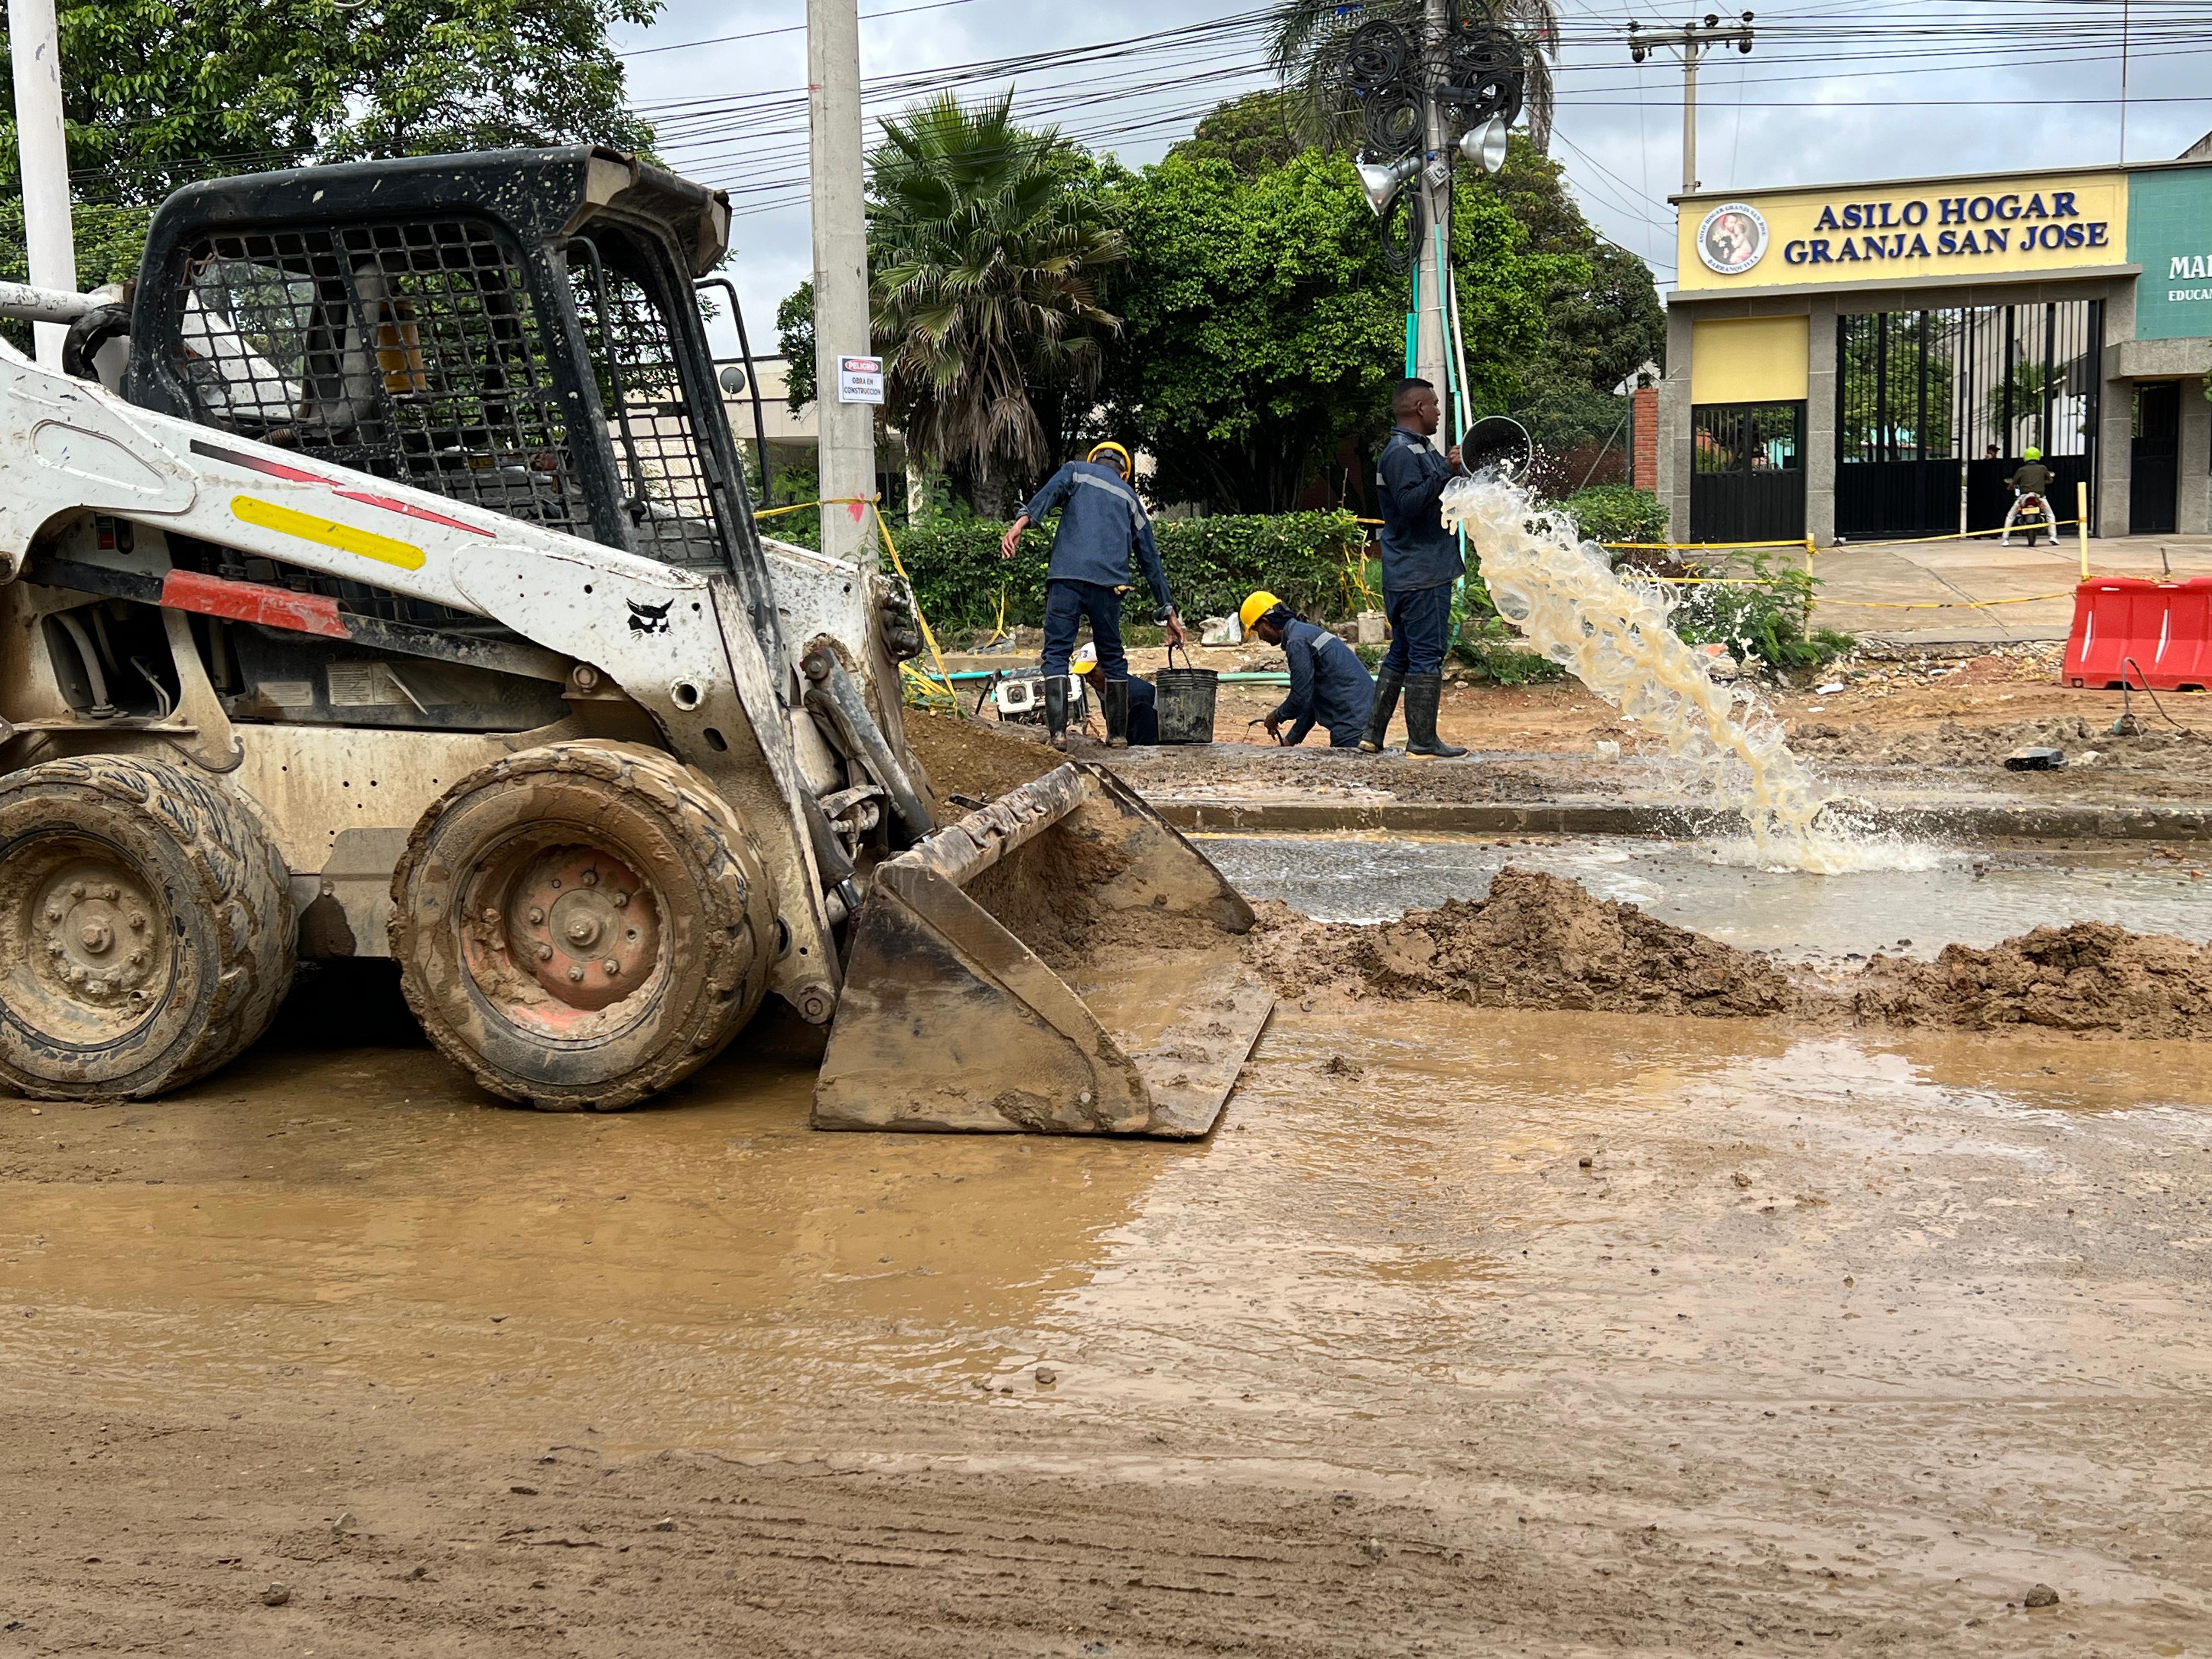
<point>1470,1333</point>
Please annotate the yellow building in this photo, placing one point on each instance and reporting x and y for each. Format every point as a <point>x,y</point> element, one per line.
<point>1871,360</point>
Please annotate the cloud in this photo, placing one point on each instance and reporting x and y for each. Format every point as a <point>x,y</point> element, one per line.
<point>1830,93</point>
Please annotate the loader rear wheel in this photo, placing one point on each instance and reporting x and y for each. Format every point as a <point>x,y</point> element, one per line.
<point>583,925</point>
<point>147,932</point>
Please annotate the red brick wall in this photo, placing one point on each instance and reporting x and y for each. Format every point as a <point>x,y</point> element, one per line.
<point>1644,474</point>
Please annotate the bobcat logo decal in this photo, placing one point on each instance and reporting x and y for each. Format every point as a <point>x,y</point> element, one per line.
<point>648,619</point>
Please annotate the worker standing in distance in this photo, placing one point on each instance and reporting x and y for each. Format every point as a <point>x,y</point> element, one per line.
<point>1420,562</point>
<point>1330,687</point>
<point>1101,522</point>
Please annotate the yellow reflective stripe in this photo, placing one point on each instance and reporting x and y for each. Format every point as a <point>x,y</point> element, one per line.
<point>327,532</point>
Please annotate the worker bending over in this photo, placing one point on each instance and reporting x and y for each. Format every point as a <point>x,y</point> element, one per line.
<point>1330,687</point>
<point>1101,522</point>
<point>1420,563</point>
<point>1144,703</point>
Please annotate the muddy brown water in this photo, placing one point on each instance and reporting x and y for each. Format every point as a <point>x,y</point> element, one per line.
<point>1968,896</point>
<point>1835,1341</point>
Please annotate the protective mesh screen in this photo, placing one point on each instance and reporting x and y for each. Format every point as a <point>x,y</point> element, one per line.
<point>669,489</point>
<point>412,351</point>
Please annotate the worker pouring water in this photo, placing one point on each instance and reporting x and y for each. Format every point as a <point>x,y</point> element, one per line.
<point>1330,687</point>
<point>1101,522</point>
<point>1420,563</point>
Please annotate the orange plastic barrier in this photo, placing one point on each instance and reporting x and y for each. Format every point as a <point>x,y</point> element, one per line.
<point>2132,631</point>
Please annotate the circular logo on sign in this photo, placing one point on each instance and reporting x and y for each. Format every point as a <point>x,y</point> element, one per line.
<point>1732,238</point>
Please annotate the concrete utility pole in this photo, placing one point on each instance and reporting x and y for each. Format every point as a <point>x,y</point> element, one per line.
<point>836,192</point>
<point>34,46</point>
<point>1690,40</point>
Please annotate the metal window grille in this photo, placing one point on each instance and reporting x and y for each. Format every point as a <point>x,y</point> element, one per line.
<point>1935,408</point>
<point>1956,384</point>
<point>673,493</point>
<point>412,350</point>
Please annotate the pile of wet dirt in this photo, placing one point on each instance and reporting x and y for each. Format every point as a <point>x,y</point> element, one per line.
<point>1952,744</point>
<point>1543,941</point>
<point>2090,976</point>
<point>1537,941</point>
<point>976,758</point>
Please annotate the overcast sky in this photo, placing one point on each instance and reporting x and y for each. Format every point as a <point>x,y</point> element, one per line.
<point>1830,91</point>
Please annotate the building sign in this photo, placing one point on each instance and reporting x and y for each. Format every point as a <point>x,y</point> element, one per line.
<point>859,379</point>
<point>2170,236</point>
<point>1908,232</point>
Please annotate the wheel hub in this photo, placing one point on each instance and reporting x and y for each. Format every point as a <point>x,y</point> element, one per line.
<point>583,925</point>
<point>95,937</point>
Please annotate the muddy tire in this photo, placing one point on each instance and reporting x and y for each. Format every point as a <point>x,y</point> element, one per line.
<point>147,932</point>
<point>583,925</point>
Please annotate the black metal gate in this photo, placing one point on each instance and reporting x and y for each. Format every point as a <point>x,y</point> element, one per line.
<point>1748,482</point>
<point>2155,466</point>
<point>1934,409</point>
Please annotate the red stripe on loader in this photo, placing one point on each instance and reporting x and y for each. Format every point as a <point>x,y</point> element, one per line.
<point>412,512</point>
<point>251,602</point>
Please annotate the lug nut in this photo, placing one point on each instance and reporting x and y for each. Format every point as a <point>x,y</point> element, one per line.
<point>591,879</point>
<point>545,953</point>
<point>621,900</point>
<point>77,889</point>
<point>53,915</point>
<point>491,914</point>
<point>110,892</point>
<point>537,917</point>
<point>576,974</point>
<point>137,921</point>
<point>612,967</point>
<point>137,958</point>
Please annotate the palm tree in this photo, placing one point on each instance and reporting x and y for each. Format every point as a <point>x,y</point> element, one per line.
<point>1307,38</point>
<point>985,254</point>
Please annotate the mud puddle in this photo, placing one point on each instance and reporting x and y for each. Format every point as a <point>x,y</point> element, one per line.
<point>1795,1335</point>
<point>1975,897</point>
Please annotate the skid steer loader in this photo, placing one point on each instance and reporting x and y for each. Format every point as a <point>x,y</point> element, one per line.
<point>378,579</point>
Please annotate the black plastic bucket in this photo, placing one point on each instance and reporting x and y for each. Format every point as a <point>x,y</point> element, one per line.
<point>1183,698</point>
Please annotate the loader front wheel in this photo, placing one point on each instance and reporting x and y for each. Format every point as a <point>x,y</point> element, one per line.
<point>147,931</point>
<point>583,925</point>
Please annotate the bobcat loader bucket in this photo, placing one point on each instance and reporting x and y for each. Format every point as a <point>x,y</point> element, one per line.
<point>1060,961</point>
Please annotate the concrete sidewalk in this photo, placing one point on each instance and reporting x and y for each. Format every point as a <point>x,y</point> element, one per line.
<point>1865,587</point>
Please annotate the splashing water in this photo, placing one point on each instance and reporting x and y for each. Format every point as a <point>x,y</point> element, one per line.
<point>1612,634</point>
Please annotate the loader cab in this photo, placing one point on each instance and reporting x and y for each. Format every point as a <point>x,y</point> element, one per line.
<point>516,329</point>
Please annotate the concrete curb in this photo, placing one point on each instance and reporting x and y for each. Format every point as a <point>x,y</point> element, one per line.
<point>2059,820</point>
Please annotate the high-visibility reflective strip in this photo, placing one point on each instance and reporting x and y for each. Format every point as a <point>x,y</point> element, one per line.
<point>327,532</point>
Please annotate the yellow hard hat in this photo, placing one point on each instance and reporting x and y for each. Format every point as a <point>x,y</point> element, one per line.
<point>2031,454</point>
<point>1256,607</point>
<point>1128,467</point>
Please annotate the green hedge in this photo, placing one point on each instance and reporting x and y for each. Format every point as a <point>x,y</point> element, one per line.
<point>1615,513</point>
<point>1212,564</point>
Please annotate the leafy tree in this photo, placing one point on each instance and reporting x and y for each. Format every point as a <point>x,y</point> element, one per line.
<point>1252,133</point>
<point>987,243</point>
<point>1261,322</point>
<point>158,93</point>
<point>984,263</point>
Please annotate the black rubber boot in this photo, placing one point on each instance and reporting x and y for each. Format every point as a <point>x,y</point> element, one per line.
<point>1424,692</point>
<point>1387,684</point>
<point>1055,709</point>
<point>1115,698</point>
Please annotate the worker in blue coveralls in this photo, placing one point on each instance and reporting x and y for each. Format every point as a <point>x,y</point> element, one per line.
<point>1420,563</point>
<point>1329,685</point>
<point>1101,522</point>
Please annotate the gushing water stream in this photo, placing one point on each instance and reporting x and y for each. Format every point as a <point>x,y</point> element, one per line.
<point>1612,634</point>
